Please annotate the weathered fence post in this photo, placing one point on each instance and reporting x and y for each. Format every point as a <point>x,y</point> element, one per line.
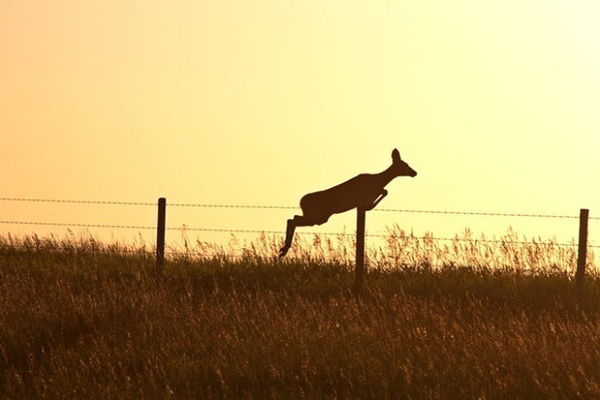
<point>582,251</point>
<point>160,235</point>
<point>360,249</point>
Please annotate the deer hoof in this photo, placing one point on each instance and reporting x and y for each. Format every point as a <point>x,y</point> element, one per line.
<point>283,251</point>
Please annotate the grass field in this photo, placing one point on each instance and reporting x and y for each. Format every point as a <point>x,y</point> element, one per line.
<point>82,319</point>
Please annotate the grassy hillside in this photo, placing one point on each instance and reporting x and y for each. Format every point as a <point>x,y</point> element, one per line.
<point>80,319</point>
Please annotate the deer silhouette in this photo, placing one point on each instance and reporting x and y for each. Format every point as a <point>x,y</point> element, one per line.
<point>364,190</point>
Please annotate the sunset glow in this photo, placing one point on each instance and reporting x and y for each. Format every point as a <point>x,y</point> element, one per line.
<point>235,102</point>
<point>312,199</point>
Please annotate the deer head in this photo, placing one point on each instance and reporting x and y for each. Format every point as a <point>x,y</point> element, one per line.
<point>399,167</point>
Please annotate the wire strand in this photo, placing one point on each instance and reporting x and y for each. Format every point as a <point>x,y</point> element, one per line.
<point>66,224</point>
<point>184,229</point>
<point>248,206</point>
<point>105,202</point>
<point>492,214</point>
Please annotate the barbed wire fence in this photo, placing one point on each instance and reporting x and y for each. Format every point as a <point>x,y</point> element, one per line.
<point>280,207</point>
<point>158,227</point>
<point>219,230</point>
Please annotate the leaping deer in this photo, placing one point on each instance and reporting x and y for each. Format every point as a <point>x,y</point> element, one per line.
<point>364,190</point>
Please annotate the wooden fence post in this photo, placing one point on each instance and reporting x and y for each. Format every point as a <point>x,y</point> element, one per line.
<point>582,251</point>
<point>360,249</point>
<point>160,235</point>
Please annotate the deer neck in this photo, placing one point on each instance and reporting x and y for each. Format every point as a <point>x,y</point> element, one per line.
<point>386,176</point>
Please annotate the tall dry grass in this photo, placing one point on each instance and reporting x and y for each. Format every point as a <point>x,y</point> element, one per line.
<point>84,319</point>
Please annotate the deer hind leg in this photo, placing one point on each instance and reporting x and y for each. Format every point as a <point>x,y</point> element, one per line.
<point>298,220</point>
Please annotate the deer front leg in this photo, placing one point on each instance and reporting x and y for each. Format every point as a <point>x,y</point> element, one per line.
<point>381,196</point>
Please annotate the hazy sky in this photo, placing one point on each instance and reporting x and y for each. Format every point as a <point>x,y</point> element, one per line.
<point>494,103</point>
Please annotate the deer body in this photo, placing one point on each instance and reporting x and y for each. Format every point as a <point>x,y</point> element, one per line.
<point>364,190</point>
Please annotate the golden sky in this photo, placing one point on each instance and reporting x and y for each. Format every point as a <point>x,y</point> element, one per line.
<point>495,104</point>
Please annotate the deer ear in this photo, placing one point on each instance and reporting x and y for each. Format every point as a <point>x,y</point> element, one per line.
<point>395,155</point>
